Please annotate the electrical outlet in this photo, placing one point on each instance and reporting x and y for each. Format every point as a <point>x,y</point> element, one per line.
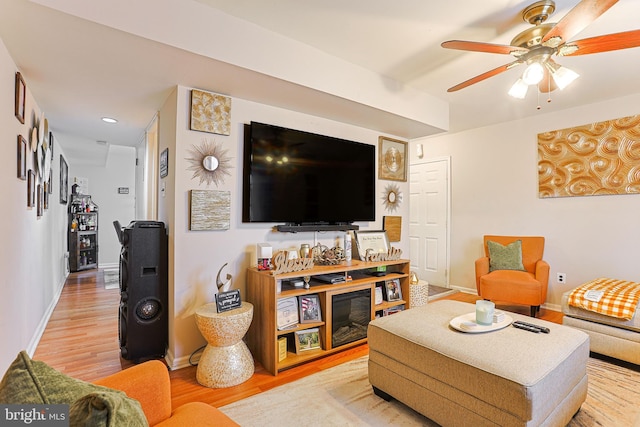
<point>562,278</point>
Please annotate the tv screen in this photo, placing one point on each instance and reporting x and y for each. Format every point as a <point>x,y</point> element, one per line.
<point>298,177</point>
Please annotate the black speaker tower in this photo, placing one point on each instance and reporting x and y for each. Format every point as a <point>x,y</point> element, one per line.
<point>143,324</point>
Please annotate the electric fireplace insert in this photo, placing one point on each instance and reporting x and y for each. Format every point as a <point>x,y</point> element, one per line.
<point>351,314</point>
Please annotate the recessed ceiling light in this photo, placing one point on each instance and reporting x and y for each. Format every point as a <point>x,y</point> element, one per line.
<point>109,120</point>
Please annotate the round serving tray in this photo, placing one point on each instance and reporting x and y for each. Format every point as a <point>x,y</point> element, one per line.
<point>467,323</point>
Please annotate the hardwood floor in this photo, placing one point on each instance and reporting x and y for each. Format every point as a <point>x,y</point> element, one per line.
<point>81,340</point>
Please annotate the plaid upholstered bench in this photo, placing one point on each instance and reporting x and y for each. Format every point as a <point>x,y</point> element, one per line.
<point>508,377</point>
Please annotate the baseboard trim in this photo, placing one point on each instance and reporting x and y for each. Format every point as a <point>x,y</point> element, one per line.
<point>42,325</point>
<point>546,305</point>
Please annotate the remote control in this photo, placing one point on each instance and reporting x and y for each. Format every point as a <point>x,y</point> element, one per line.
<point>541,328</point>
<point>525,327</point>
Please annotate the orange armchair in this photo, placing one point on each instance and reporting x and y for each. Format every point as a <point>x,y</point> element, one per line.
<point>149,384</point>
<point>528,287</point>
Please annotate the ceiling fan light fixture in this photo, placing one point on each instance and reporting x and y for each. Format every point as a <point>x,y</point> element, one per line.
<point>533,74</point>
<point>519,89</point>
<point>563,76</point>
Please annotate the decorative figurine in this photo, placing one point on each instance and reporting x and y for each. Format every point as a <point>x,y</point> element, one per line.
<point>223,287</point>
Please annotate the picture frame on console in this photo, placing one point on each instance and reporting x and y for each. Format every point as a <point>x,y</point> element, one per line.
<point>376,240</point>
<point>378,294</point>
<point>287,313</point>
<point>393,290</point>
<point>308,339</point>
<point>310,311</point>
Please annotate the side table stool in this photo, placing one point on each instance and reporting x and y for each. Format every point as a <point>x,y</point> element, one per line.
<point>226,361</point>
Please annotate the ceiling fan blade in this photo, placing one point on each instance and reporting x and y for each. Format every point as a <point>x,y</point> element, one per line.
<point>484,47</point>
<point>576,20</point>
<point>606,43</point>
<point>484,76</point>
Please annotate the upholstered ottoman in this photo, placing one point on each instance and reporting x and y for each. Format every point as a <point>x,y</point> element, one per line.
<point>608,335</point>
<point>509,377</point>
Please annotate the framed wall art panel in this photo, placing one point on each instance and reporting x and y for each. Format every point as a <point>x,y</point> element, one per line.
<point>209,210</point>
<point>210,112</point>
<point>601,158</point>
<point>392,159</point>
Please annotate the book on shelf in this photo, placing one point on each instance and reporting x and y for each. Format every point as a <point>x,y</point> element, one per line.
<point>282,348</point>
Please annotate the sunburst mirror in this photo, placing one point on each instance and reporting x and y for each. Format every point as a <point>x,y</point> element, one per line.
<point>209,162</point>
<point>392,197</point>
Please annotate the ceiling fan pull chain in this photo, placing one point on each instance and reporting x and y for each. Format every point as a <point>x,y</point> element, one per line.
<point>538,94</point>
<point>549,92</point>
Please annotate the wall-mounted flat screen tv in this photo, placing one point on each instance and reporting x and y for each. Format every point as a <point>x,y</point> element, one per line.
<point>296,177</point>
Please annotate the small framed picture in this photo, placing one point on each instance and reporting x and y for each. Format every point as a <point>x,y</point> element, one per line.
<point>394,293</point>
<point>64,181</point>
<point>39,200</point>
<point>392,310</point>
<point>310,308</point>
<point>287,314</point>
<point>51,144</point>
<point>164,163</point>
<point>31,188</point>
<point>309,339</point>
<point>378,295</point>
<point>392,159</point>
<point>46,186</point>
<point>22,158</point>
<point>21,95</point>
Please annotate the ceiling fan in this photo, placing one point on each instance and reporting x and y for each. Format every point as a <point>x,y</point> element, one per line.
<point>535,46</point>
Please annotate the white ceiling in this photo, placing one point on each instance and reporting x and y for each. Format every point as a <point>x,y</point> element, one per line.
<point>79,70</point>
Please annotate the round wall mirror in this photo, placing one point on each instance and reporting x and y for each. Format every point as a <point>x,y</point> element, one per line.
<point>391,197</point>
<point>210,163</point>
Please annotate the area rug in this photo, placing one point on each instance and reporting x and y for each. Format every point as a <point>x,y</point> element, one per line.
<point>342,396</point>
<point>111,279</point>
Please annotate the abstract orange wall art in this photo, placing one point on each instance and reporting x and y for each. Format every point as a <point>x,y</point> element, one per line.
<point>589,160</point>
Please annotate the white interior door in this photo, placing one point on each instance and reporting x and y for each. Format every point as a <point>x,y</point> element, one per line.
<point>429,221</point>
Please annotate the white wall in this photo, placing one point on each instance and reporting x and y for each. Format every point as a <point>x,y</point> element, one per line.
<point>119,170</point>
<point>196,256</point>
<point>494,186</point>
<point>32,251</point>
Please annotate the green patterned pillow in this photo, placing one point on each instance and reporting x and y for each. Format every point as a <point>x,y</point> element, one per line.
<point>505,257</point>
<point>33,382</point>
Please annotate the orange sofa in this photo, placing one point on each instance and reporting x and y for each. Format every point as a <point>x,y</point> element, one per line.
<point>528,287</point>
<point>149,384</point>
